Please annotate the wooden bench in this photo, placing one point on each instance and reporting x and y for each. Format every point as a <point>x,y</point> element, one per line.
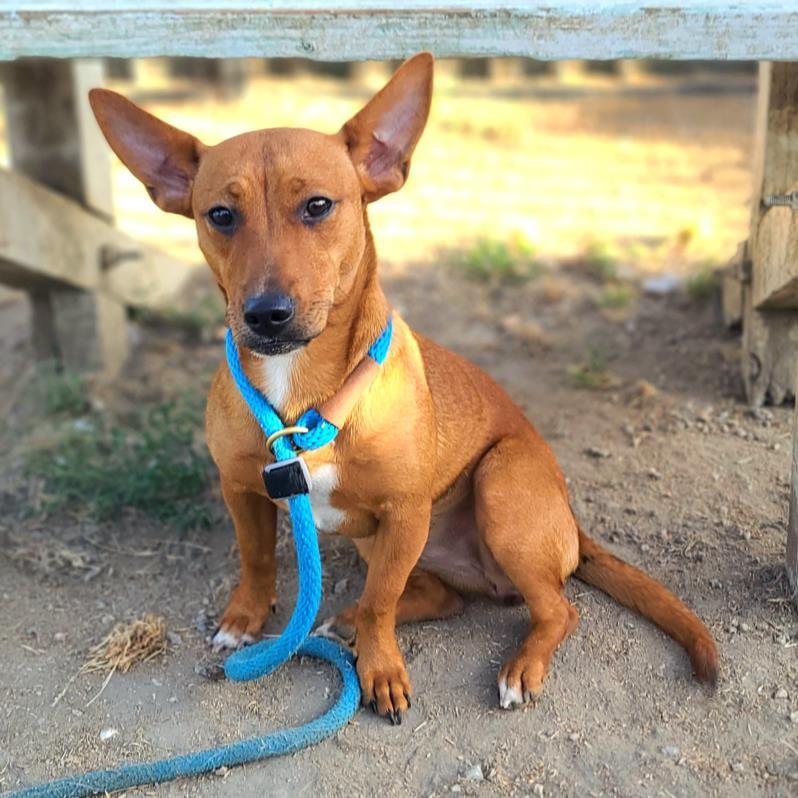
<point>81,273</point>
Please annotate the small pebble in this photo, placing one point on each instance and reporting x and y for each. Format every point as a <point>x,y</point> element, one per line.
<point>598,454</point>
<point>672,751</point>
<point>538,790</point>
<point>59,637</point>
<point>662,284</point>
<point>793,717</point>
<point>456,788</point>
<point>738,767</point>
<point>108,734</point>
<point>744,627</point>
<point>475,773</point>
<point>780,694</point>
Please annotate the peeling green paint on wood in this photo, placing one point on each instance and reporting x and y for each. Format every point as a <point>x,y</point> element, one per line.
<point>366,29</point>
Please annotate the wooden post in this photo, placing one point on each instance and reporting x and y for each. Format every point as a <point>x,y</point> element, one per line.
<point>569,72</point>
<point>507,70</point>
<point>227,76</point>
<point>631,70</point>
<point>54,140</point>
<point>770,291</point>
<point>371,74</point>
<point>448,71</point>
<point>791,559</point>
<point>737,271</point>
<point>151,74</point>
<point>770,302</point>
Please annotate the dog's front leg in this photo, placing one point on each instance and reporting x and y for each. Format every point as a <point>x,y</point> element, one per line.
<point>398,544</point>
<point>255,520</point>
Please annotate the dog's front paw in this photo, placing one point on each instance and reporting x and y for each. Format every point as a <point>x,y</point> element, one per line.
<point>384,682</point>
<point>243,619</point>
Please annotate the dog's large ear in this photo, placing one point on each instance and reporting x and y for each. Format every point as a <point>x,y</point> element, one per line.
<point>164,158</point>
<point>382,136</point>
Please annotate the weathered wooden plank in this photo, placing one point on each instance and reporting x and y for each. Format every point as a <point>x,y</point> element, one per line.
<point>774,229</point>
<point>734,275</point>
<point>48,241</point>
<point>54,141</point>
<point>382,29</point>
<point>50,126</point>
<point>770,334</point>
<point>768,354</point>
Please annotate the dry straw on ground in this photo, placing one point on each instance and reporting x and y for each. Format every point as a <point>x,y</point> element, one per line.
<point>128,644</point>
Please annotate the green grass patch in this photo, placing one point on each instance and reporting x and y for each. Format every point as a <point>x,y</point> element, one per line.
<point>601,263</point>
<point>152,463</point>
<point>495,260</point>
<point>703,285</point>
<point>60,392</point>
<point>592,374</point>
<point>615,296</point>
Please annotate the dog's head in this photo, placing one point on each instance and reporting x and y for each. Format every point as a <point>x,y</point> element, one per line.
<point>280,213</point>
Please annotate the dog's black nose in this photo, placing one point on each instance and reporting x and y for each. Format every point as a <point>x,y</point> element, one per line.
<point>267,314</point>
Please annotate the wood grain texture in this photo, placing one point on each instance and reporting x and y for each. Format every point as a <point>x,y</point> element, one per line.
<point>774,231</point>
<point>48,241</point>
<point>381,29</point>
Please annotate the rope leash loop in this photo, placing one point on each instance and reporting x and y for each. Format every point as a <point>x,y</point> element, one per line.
<point>267,655</point>
<point>239,753</point>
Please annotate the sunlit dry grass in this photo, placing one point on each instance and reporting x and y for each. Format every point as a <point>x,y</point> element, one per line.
<point>658,181</point>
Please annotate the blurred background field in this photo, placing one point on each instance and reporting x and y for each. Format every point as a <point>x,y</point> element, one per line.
<point>649,164</point>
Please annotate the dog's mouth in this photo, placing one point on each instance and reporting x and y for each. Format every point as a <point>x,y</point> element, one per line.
<point>275,346</point>
<point>267,347</point>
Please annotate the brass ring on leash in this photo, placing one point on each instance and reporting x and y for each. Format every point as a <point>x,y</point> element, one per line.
<point>283,432</point>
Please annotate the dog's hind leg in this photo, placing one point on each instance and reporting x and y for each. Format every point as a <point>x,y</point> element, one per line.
<point>525,522</point>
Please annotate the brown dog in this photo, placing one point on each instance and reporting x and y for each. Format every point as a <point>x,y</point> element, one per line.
<point>443,485</point>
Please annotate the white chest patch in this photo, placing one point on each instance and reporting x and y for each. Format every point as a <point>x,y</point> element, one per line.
<point>277,373</point>
<point>325,480</point>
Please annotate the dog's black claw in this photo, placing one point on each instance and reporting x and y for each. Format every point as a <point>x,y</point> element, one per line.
<point>409,703</point>
<point>373,705</point>
<point>391,717</point>
<point>398,716</point>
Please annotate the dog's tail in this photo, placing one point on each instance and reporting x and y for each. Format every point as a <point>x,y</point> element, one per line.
<point>638,591</point>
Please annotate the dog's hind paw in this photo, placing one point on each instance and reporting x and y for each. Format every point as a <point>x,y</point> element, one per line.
<point>226,639</point>
<point>511,697</point>
<point>333,630</point>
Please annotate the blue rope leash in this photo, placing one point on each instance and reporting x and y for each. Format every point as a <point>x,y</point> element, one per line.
<point>239,753</point>
<point>267,655</point>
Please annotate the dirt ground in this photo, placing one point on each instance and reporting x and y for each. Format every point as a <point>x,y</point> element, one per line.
<point>666,466</point>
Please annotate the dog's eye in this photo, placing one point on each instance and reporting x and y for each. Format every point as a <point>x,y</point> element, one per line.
<point>317,208</point>
<point>223,219</point>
